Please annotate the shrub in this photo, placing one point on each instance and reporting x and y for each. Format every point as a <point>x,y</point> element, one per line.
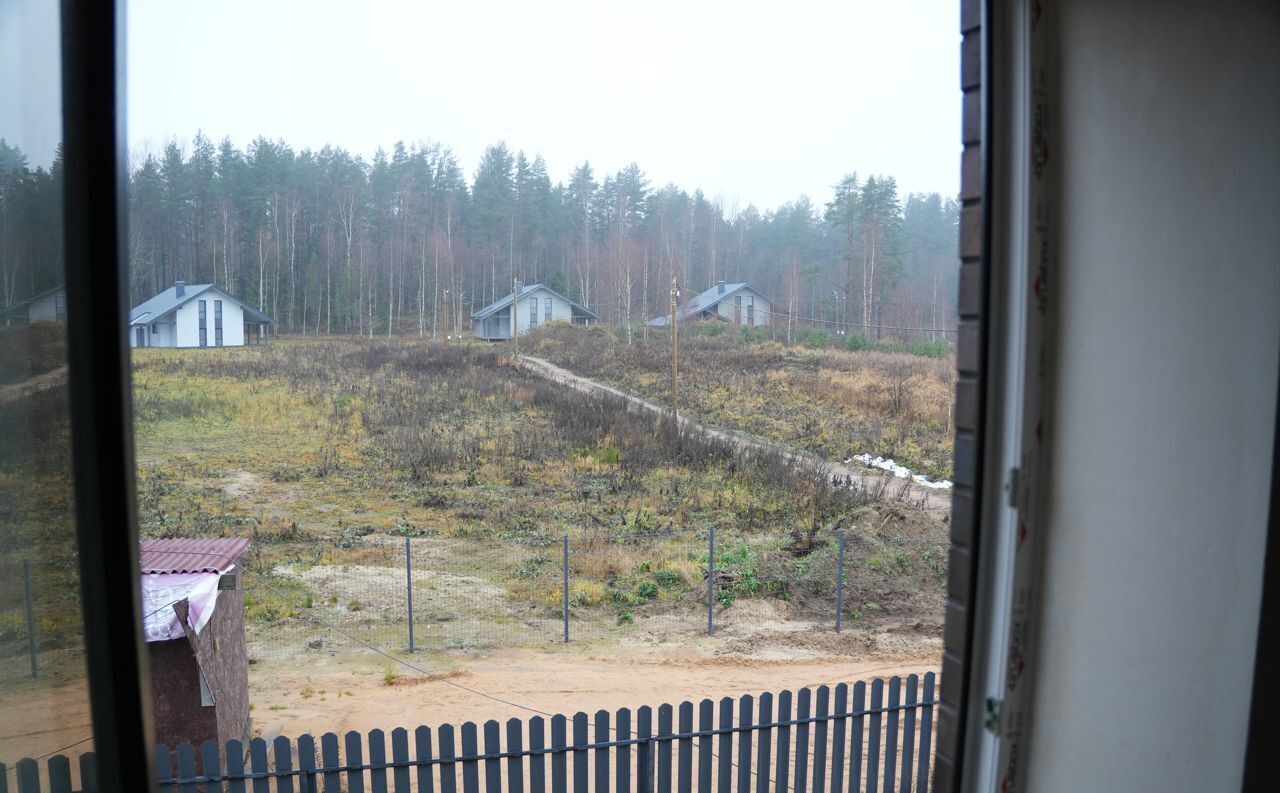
<point>533,567</point>
<point>31,350</point>
<point>667,578</point>
<point>856,341</point>
<point>586,593</point>
<point>818,340</point>
<point>931,349</point>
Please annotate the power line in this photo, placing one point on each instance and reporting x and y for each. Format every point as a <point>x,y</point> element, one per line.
<point>824,321</point>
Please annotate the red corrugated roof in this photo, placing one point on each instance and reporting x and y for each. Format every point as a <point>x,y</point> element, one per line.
<point>191,556</point>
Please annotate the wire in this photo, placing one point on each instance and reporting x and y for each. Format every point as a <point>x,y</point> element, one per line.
<point>420,670</point>
<point>379,651</point>
<point>834,322</point>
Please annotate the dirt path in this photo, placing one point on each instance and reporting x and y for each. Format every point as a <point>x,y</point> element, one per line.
<point>361,698</point>
<point>935,502</point>
<point>49,379</point>
<point>356,692</point>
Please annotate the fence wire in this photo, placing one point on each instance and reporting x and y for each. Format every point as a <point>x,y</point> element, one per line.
<point>435,594</point>
<point>40,632</point>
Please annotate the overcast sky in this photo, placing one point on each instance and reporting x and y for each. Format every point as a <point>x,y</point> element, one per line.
<point>752,102</point>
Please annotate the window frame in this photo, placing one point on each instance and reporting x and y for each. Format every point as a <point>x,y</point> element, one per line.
<point>217,323</point>
<point>99,392</point>
<point>533,312</point>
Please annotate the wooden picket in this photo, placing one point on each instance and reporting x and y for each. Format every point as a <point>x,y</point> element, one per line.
<point>724,768</point>
<point>855,741</point>
<point>819,740</point>
<point>801,773</point>
<point>706,723</point>
<point>908,734</point>
<point>891,736</point>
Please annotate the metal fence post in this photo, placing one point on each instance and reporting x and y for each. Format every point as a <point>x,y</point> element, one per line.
<point>408,588</point>
<point>566,589</point>
<point>31,617</point>
<point>711,579</point>
<point>839,579</point>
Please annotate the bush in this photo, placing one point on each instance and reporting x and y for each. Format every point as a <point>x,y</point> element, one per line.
<point>32,349</point>
<point>856,341</point>
<point>818,340</point>
<point>931,349</point>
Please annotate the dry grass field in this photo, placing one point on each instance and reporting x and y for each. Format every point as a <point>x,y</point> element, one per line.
<point>329,453</point>
<point>835,403</point>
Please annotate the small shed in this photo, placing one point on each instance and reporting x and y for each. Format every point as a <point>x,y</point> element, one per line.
<point>193,623</point>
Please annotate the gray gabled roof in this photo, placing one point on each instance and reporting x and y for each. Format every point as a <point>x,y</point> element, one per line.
<point>150,310</point>
<point>529,289</point>
<point>13,309</point>
<point>704,301</point>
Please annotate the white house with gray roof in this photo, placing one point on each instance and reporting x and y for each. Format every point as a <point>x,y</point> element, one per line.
<point>739,304</point>
<point>538,304</point>
<point>197,315</point>
<point>49,306</point>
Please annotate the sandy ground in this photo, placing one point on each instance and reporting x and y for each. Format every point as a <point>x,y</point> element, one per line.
<point>358,696</point>
<point>39,720</point>
<point>355,691</point>
<point>936,502</point>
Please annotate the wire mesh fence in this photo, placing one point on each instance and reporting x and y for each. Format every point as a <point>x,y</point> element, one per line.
<point>39,618</point>
<point>402,594</point>
<point>430,593</point>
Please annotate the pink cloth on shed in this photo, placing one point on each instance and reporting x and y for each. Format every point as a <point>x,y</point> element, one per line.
<point>161,591</point>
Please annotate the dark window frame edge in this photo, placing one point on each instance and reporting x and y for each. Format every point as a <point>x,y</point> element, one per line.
<point>94,148</point>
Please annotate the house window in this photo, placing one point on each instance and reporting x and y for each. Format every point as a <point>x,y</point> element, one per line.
<point>546,317</point>
<point>217,323</point>
<point>533,312</point>
<point>204,324</point>
<point>737,309</point>
<point>751,310</point>
<point>60,307</point>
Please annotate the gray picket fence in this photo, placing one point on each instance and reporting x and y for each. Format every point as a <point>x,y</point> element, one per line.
<point>821,740</point>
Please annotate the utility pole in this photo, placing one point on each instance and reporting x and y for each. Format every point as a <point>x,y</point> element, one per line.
<point>515,311</point>
<point>675,301</point>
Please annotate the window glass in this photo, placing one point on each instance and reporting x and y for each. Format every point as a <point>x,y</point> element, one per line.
<point>376,424</point>
<point>43,693</point>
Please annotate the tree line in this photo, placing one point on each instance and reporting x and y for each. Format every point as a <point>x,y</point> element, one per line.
<point>328,242</point>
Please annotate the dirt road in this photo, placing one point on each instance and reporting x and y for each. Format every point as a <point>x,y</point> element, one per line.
<point>365,691</point>
<point>362,697</point>
<point>49,379</point>
<point>935,502</point>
